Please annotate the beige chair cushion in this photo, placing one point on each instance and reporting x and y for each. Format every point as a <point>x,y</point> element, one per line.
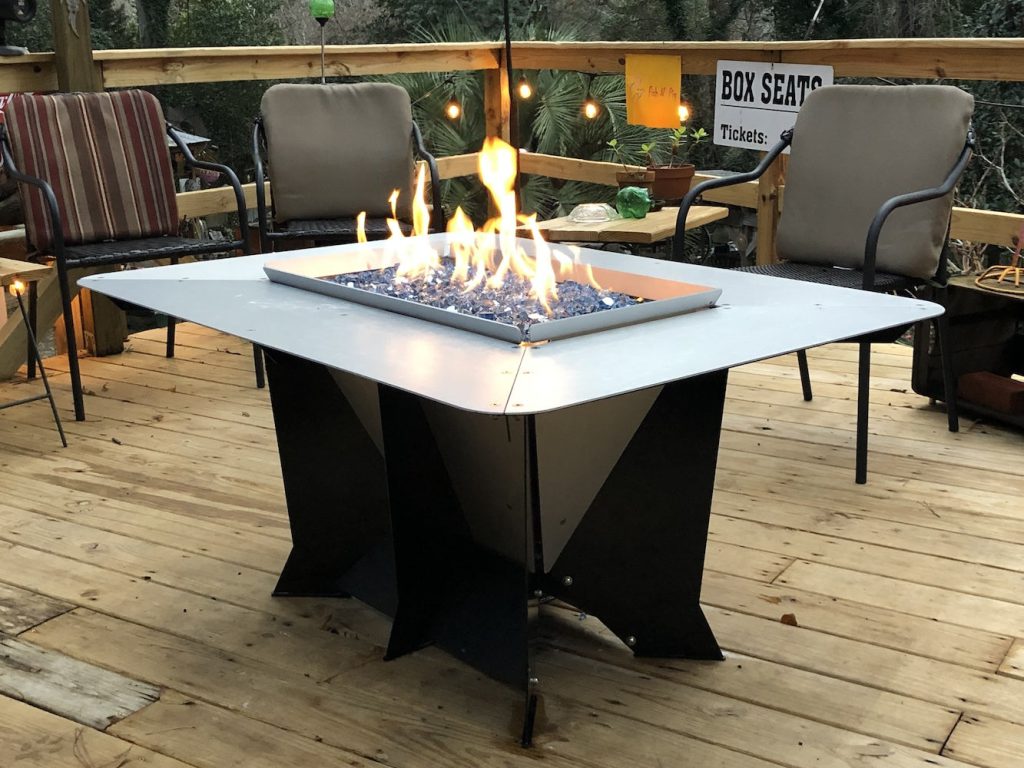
<point>856,146</point>
<point>336,150</point>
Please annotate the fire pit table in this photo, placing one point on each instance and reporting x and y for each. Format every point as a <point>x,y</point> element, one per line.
<point>454,480</point>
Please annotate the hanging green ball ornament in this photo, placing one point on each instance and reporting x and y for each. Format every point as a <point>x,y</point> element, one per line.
<point>321,10</point>
<point>633,202</point>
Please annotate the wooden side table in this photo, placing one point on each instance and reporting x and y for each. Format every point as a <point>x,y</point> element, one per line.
<point>17,277</point>
<point>653,228</point>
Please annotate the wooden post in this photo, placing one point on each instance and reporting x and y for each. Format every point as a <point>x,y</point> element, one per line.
<point>72,43</point>
<point>497,111</point>
<point>103,325</point>
<point>497,107</point>
<point>768,209</point>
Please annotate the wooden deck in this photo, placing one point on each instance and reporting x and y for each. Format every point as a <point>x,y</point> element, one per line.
<point>864,626</point>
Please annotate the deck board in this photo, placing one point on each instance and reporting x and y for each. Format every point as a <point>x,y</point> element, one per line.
<point>151,544</point>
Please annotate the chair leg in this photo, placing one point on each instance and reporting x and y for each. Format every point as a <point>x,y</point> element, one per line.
<point>30,326</point>
<point>170,336</point>
<point>257,357</point>
<point>69,331</point>
<point>948,379</point>
<point>863,400</point>
<point>805,373</point>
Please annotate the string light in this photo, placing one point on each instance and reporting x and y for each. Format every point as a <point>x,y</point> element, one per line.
<point>524,89</point>
<point>453,108</point>
<point>17,287</point>
<point>591,109</point>
<point>684,112</point>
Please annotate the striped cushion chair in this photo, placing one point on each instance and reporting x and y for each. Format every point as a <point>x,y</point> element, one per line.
<point>97,188</point>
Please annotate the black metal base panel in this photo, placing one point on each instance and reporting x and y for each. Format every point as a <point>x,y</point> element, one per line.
<point>456,523</point>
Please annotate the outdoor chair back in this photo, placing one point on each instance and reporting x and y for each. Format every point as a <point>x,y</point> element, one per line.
<point>334,151</point>
<point>94,172</point>
<point>853,148</point>
<point>105,157</point>
<point>867,205</point>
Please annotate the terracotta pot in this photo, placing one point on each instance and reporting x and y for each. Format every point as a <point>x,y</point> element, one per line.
<point>671,183</point>
<point>644,179</point>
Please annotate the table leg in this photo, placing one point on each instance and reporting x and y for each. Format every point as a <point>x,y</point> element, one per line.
<point>636,559</point>
<point>335,485</point>
<point>443,518</point>
<point>455,588</point>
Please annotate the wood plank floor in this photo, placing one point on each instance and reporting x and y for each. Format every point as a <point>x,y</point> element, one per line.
<point>864,626</point>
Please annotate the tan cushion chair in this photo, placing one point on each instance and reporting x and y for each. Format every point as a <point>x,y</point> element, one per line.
<point>334,151</point>
<point>856,146</point>
<point>867,204</point>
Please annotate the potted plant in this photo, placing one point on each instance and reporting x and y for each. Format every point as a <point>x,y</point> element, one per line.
<point>672,178</point>
<point>629,176</point>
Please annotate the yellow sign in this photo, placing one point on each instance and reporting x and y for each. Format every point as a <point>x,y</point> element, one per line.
<point>652,90</point>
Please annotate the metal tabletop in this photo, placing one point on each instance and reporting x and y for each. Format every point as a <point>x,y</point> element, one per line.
<point>756,317</point>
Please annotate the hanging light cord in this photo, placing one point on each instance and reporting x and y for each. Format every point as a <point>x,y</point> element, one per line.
<point>447,81</point>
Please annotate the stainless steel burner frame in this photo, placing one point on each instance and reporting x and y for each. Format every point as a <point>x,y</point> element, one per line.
<point>664,298</point>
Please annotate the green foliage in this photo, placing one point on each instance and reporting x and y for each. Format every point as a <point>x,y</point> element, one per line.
<point>154,22</point>
<point>402,17</point>
<point>111,27</point>
<point>995,177</point>
<point>223,110</point>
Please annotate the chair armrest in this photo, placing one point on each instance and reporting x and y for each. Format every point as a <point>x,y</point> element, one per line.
<point>262,214</point>
<point>191,161</point>
<point>56,226</point>
<point>694,194</point>
<point>435,186</point>
<point>910,198</point>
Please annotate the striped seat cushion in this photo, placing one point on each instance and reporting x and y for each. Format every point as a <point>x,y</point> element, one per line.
<point>106,157</point>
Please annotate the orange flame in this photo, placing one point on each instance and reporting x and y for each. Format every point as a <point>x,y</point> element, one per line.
<point>486,256</point>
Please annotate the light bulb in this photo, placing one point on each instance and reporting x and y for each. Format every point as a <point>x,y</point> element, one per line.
<point>17,287</point>
<point>684,112</point>
<point>591,109</point>
<point>453,109</point>
<point>524,88</point>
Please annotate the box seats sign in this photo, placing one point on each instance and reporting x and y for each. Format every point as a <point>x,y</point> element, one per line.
<point>755,102</point>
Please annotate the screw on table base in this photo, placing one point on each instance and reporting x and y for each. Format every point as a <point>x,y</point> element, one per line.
<point>35,358</point>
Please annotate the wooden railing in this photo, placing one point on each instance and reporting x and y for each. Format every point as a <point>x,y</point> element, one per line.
<point>953,58</point>
<point>923,59</point>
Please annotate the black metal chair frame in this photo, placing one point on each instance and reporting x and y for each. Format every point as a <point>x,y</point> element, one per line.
<point>120,252</point>
<point>871,280</point>
<point>321,231</point>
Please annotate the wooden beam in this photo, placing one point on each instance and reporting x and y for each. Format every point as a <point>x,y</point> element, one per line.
<point>920,58</point>
<point>205,202</point>
<point>458,165</point>
<point>159,66</point>
<point>995,227</point>
<point>30,72</point>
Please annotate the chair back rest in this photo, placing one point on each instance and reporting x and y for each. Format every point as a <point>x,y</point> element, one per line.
<point>856,146</point>
<point>336,150</point>
<point>106,157</point>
